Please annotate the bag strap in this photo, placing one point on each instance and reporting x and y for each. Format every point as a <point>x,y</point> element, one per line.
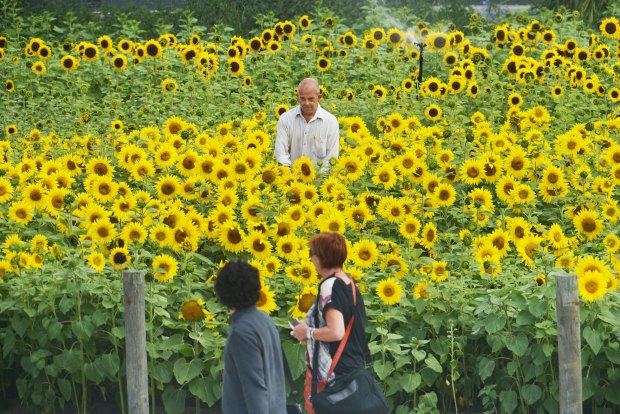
<point>343,342</point>
<point>289,379</point>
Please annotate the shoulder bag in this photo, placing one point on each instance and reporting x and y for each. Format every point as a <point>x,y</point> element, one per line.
<point>353,393</point>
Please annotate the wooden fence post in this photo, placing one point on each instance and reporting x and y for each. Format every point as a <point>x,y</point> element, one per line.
<point>569,343</point>
<point>135,342</point>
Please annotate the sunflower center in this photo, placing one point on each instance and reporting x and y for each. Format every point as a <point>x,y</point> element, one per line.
<point>388,291</point>
<point>168,189</point>
<point>589,225</point>
<point>591,286</point>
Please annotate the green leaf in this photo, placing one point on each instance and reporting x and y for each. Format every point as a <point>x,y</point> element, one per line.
<point>295,355</point>
<point>537,308</point>
<point>162,372</point>
<point>410,381</point>
<point>199,387</point>
<point>66,304</point>
<point>186,371</point>
<point>54,330</point>
<point>19,325</point>
<point>613,355</point>
<point>525,318</point>
<point>383,369</point>
<point>495,322</point>
<point>418,354</point>
<point>612,395</point>
<point>508,400</point>
<point>531,393</point>
<point>93,373</point>
<point>433,364</point>
<point>593,339</point>
<point>428,376</point>
<point>65,388</point>
<point>118,332</point>
<point>109,365</point>
<point>174,399</point>
<point>9,343</point>
<point>518,344</point>
<point>548,349</point>
<point>486,367</point>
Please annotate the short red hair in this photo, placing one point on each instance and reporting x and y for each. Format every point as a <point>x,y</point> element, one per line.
<point>330,248</point>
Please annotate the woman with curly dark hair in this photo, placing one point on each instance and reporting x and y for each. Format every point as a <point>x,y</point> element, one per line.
<point>253,365</point>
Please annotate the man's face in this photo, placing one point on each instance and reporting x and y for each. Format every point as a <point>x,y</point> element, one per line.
<point>308,99</point>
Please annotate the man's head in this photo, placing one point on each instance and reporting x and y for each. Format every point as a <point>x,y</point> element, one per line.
<point>238,285</point>
<point>309,95</point>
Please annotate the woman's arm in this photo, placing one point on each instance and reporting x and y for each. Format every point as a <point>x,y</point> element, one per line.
<point>334,331</point>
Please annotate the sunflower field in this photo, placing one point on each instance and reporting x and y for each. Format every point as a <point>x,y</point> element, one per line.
<point>476,163</point>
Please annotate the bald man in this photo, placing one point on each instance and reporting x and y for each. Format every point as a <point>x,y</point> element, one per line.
<point>308,130</point>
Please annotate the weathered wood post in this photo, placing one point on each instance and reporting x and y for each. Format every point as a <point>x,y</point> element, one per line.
<point>135,342</point>
<point>569,343</point>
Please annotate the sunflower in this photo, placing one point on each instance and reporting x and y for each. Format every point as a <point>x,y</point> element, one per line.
<point>119,62</point>
<point>472,171</point>
<point>515,99</point>
<point>304,300</point>
<point>410,227</point>
<point>385,175</point>
<point>11,129</point>
<point>21,212</point>
<point>429,236</point>
<point>102,231</point>
<point>120,258</point>
<point>588,223</point>
<point>439,272</point>
<point>557,91</point>
<point>266,301</point>
<point>379,92</point>
<point>235,66</point>
<point>527,246</point>
<point>433,112</point>
<point>193,310</point>
<point>258,245</point>
<point>612,243</point>
<point>323,64</point>
<point>105,43</point>
<point>6,190</point>
<point>523,194</point>
<point>518,227</point>
<point>610,28</point>
<point>164,267</point>
<point>231,237</point>
<point>168,187</point>
<point>517,163</point>
<point>152,48</point>
<point>35,194</point>
<point>89,52</point>
<point>38,68</point>
<point>444,195</point>
<point>420,291</point>
<point>592,286</point>
<point>395,37</point>
<point>364,253</point>
<point>134,232</point>
<point>303,169</point>
<point>96,261</point>
<point>389,291</point>
<point>556,237</point>
<point>68,63</point>
<point>610,211</point>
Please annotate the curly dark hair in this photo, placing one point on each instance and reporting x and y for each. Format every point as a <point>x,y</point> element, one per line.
<point>238,285</point>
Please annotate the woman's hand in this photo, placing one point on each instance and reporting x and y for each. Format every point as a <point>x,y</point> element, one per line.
<point>299,331</point>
